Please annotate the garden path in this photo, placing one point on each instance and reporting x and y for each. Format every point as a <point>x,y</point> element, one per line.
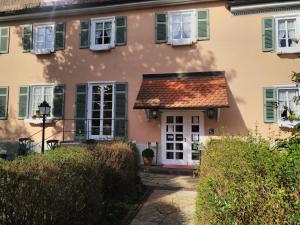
<point>171,203</point>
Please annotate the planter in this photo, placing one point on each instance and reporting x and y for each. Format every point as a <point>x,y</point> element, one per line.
<point>147,161</point>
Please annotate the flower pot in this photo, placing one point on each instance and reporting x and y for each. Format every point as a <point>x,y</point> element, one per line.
<point>147,161</point>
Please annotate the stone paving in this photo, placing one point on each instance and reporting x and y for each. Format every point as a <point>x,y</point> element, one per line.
<point>171,203</point>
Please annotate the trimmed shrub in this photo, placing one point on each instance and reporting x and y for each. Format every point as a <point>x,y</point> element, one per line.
<point>65,186</point>
<point>243,181</point>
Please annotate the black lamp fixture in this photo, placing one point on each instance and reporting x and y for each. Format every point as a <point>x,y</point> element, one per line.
<point>44,109</point>
<point>212,113</point>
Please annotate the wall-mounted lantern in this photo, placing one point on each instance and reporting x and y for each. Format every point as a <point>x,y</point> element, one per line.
<point>212,113</point>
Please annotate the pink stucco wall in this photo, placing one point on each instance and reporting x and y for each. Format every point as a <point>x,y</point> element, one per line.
<point>234,47</point>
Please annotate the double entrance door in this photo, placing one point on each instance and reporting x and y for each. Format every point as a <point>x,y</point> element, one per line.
<point>182,137</point>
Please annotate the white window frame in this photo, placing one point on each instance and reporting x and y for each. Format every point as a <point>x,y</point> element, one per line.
<point>89,109</point>
<point>284,50</point>
<point>183,41</point>
<point>30,119</point>
<point>99,47</point>
<point>280,122</point>
<point>35,49</point>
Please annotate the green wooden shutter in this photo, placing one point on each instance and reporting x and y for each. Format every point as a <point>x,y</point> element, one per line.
<point>161,27</point>
<point>58,101</point>
<point>3,102</point>
<point>81,108</point>
<point>121,30</point>
<point>4,39</point>
<point>85,33</point>
<point>27,38</point>
<point>268,34</point>
<point>121,110</point>
<point>270,98</point>
<point>203,24</point>
<point>60,35</point>
<point>23,102</point>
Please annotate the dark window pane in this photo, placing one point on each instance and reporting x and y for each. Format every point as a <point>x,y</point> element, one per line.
<point>107,123</point>
<point>179,128</point>
<point>96,106</point>
<point>96,97</point>
<point>95,123</point>
<point>195,128</point>
<point>96,114</point>
<point>107,105</point>
<point>170,146</point>
<point>107,97</point>
<point>170,155</point>
<point>170,119</point>
<point>179,146</point>
<point>95,130</point>
<point>107,114</point>
<point>179,155</point>
<point>179,119</point>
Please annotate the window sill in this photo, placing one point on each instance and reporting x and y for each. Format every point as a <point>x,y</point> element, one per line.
<point>288,124</point>
<point>101,48</point>
<point>42,51</point>
<point>287,51</point>
<point>38,121</point>
<point>181,42</point>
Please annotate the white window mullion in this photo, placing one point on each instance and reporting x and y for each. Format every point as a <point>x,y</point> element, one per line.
<point>101,111</point>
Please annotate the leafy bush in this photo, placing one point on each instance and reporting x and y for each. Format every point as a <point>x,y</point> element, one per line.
<point>243,181</point>
<point>66,186</point>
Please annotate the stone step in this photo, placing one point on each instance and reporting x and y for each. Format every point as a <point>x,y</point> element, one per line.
<point>171,171</point>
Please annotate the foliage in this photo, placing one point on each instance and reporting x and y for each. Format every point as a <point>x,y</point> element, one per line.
<point>68,186</point>
<point>244,181</point>
<point>148,153</point>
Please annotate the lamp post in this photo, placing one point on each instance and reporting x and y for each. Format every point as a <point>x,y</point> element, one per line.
<point>44,109</point>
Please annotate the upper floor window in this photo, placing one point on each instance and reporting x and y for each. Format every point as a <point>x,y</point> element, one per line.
<point>43,38</point>
<point>182,28</point>
<point>281,34</point>
<point>287,34</point>
<point>102,33</point>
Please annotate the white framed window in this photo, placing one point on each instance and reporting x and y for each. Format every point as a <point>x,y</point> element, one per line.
<point>101,111</point>
<point>288,109</point>
<point>39,93</point>
<point>43,38</point>
<point>102,33</point>
<point>287,34</point>
<point>182,27</point>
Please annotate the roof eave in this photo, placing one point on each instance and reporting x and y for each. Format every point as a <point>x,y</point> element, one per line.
<point>262,7</point>
<point>97,9</point>
<point>181,108</point>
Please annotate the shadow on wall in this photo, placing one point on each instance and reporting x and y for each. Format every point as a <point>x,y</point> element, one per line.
<point>126,63</point>
<point>11,130</point>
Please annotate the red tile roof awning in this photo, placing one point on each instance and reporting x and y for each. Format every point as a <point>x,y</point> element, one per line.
<point>183,91</point>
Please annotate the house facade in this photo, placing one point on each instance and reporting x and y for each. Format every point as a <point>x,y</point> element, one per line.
<point>170,73</point>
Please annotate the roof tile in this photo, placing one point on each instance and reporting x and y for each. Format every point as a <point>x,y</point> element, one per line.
<point>194,92</point>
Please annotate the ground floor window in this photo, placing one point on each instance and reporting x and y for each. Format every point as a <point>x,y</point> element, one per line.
<point>288,108</point>
<point>38,94</point>
<point>101,111</point>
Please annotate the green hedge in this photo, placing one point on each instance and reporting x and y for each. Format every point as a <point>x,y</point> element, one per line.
<point>244,181</point>
<point>67,186</point>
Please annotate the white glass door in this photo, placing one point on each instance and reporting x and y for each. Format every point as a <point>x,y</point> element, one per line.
<point>182,137</point>
<point>100,111</point>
